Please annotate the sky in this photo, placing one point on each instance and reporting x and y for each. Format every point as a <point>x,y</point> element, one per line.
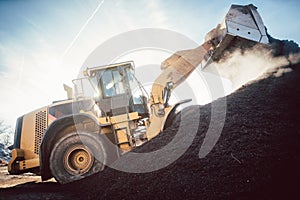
<point>43,44</point>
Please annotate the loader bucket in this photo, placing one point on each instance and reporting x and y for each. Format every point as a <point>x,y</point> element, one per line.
<point>242,28</point>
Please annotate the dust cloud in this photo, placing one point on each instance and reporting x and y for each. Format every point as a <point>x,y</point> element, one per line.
<point>241,67</point>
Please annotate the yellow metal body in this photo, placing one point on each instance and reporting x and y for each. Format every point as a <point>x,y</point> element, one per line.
<point>29,164</point>
<point>26,157</point>
<point>156,122</point>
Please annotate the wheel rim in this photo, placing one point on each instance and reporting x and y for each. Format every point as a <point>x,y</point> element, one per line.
<point>78,159</point>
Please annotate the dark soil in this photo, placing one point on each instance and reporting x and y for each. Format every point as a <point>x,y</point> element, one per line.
<point>256,156</point>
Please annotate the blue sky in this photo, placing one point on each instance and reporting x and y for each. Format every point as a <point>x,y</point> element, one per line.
<point>44,43</point>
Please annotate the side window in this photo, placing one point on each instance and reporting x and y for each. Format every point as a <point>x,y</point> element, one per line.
<point>136,90</point>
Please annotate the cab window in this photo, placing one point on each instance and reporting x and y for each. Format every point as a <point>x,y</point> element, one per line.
<point>112,83</point>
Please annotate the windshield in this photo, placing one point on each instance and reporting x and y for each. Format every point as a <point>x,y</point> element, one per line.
<point>112,83</point>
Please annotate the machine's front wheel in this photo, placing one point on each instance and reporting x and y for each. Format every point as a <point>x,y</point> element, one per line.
<point>75,156</point>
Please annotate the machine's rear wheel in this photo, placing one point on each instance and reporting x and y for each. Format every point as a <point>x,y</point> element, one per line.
<point>75,157</point>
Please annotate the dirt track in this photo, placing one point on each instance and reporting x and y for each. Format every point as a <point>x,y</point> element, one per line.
<point>257,155</point>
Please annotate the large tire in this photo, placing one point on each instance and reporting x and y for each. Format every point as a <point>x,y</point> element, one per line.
<point>75,156</point>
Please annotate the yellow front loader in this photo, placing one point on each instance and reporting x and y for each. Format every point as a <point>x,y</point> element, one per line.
<point>74,138</point>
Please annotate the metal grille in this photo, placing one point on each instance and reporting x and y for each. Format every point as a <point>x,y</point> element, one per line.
<point>40,127</point>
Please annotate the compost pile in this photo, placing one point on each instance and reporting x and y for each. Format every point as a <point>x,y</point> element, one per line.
<point>256,156</point>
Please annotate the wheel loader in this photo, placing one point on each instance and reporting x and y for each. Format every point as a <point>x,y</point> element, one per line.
<point>74,138</point>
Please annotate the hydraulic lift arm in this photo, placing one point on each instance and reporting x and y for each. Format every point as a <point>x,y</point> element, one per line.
<point>176,69</point>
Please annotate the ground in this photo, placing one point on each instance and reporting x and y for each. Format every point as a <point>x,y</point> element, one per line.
<point>13,180</point>
<point>256,156</point>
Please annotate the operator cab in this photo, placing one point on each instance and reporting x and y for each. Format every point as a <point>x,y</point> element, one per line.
<point>117,91</point>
